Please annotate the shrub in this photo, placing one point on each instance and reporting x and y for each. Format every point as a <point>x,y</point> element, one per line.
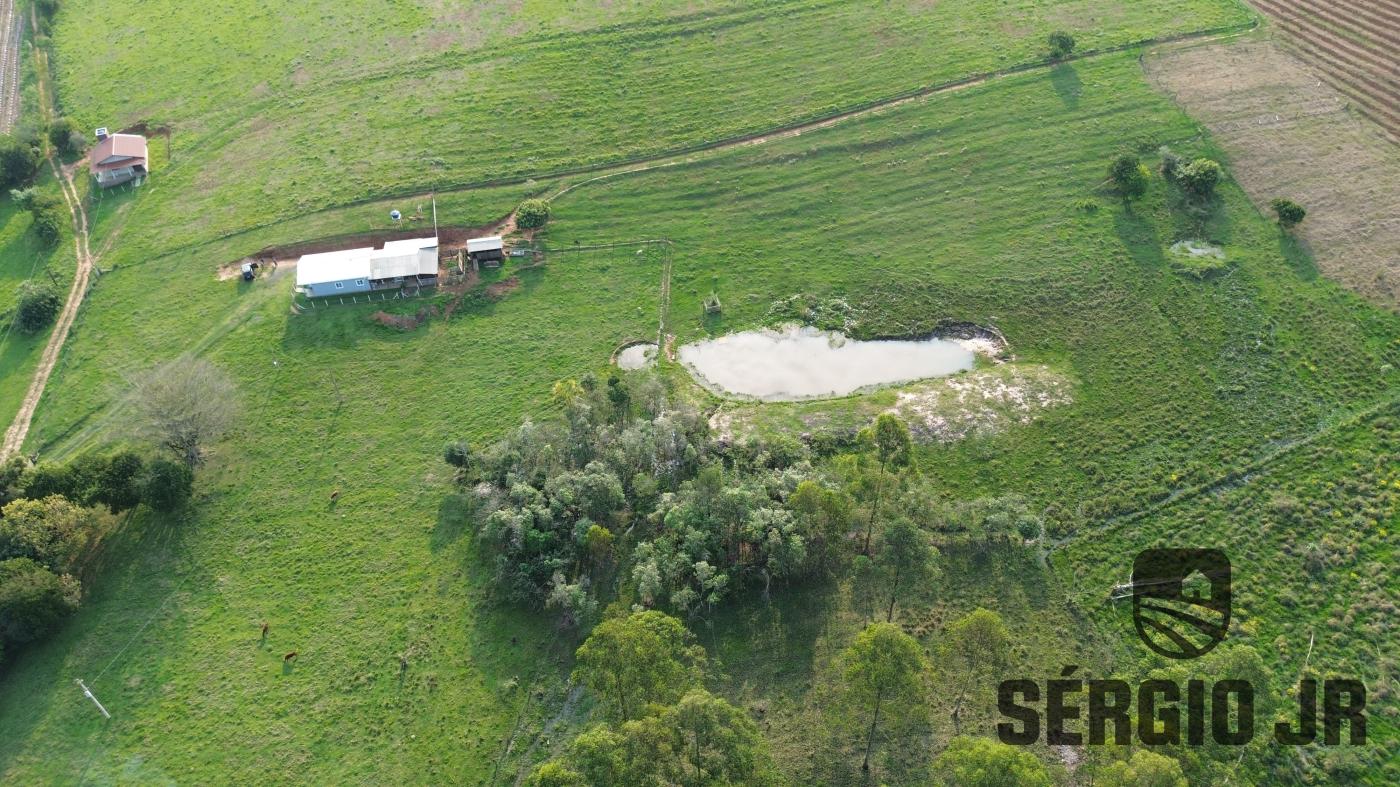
<point>458,454</point>
<point>18,161</point>
<point>1290,214</point>
<point>1200,177</point>
<point>65,136</point>
<point>1171,166</point>
<point>167,485</point>
<point>48,223</point>
<point>1128,176</point>
<point>38,305</point>
<point>532,214</point>
<point>1061,44</point>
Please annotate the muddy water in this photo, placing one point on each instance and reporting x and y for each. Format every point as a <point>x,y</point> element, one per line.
<point>637,356</point>
<point>804,363</point>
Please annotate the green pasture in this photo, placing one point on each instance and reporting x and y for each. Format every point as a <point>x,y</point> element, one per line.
<point>275,111</point>
<point>983,206</point>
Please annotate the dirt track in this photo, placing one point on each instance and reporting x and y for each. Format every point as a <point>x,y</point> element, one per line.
<point>19,428</point>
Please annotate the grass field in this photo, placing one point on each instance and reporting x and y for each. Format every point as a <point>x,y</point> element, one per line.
<point>949,208</point>
<point>23,257</point>
<point>268,125</point>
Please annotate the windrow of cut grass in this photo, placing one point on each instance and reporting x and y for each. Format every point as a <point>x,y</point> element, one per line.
<point>283,115</point>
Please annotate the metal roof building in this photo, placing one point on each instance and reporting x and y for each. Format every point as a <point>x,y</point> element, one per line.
<point>398,262</point>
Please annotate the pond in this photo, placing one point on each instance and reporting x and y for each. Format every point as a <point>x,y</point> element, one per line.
<point>637,356</point>
<point>805,363</point>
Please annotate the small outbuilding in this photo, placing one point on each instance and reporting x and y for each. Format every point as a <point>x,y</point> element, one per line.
<point>117,158</point>
<point>412,262</point>
<point>486,251</point>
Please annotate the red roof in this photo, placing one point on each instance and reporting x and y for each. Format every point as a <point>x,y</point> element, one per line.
<point>118,150</point>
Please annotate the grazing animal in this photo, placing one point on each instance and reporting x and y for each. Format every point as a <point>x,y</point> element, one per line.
<point>264,630</point>
<point>289,657</point>
<point>335,495</point>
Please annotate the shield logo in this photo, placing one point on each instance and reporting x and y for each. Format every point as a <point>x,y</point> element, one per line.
<point>1181,600</point>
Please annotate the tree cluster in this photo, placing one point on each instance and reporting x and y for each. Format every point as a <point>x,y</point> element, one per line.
<point>626,484</point>
<point>628,492</point>
<point>50,514</point>
<point>47,209</point>
<point>664,727</point>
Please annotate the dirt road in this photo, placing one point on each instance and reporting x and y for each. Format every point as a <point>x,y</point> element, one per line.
<point>19,428</point>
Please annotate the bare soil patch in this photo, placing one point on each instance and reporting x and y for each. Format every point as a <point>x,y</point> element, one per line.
<point>1290,134</point>
<point>405,322</point>
<point>502,288</point>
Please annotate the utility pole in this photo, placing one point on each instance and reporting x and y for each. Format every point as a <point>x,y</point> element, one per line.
<point>435,230</point>
<point>88,693</point>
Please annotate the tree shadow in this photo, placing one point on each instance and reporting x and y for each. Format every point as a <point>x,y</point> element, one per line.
<point>454,512</point>
<point>129,589</point>
<point>1067,84</point>
<point>1298,256</point>
<point>1139,237</point>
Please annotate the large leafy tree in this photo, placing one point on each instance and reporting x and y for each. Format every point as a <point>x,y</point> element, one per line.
<point>824,519</point>
<point>630,662</point>
<point>982,762</point>
<point>884,675</point>
<point>701,741</point>
<point>49,531</point>
<point>1144,769</point>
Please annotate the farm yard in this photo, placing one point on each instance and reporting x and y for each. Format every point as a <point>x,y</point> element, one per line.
<point>1141,401</point>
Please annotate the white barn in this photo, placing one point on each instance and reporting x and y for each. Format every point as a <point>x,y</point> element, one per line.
<point>413,261</point>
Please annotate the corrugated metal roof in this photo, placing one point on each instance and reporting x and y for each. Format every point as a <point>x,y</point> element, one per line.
<point>484,244</point>
<point>332,266</point>
<point>409,257</point>
<point>117,148</point>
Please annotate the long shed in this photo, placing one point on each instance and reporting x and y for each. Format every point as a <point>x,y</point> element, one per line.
<point>399,263</point>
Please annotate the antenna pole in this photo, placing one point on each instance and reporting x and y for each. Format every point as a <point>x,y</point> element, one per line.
<point>88,693</point>
<point>435,229</point>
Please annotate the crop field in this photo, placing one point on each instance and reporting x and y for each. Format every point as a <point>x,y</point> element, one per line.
<point>1255,408</point>
<point>1289,134</point>
<point>1353,43</point>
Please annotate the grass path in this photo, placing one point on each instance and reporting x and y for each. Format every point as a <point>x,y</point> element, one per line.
<point>19,428</point>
